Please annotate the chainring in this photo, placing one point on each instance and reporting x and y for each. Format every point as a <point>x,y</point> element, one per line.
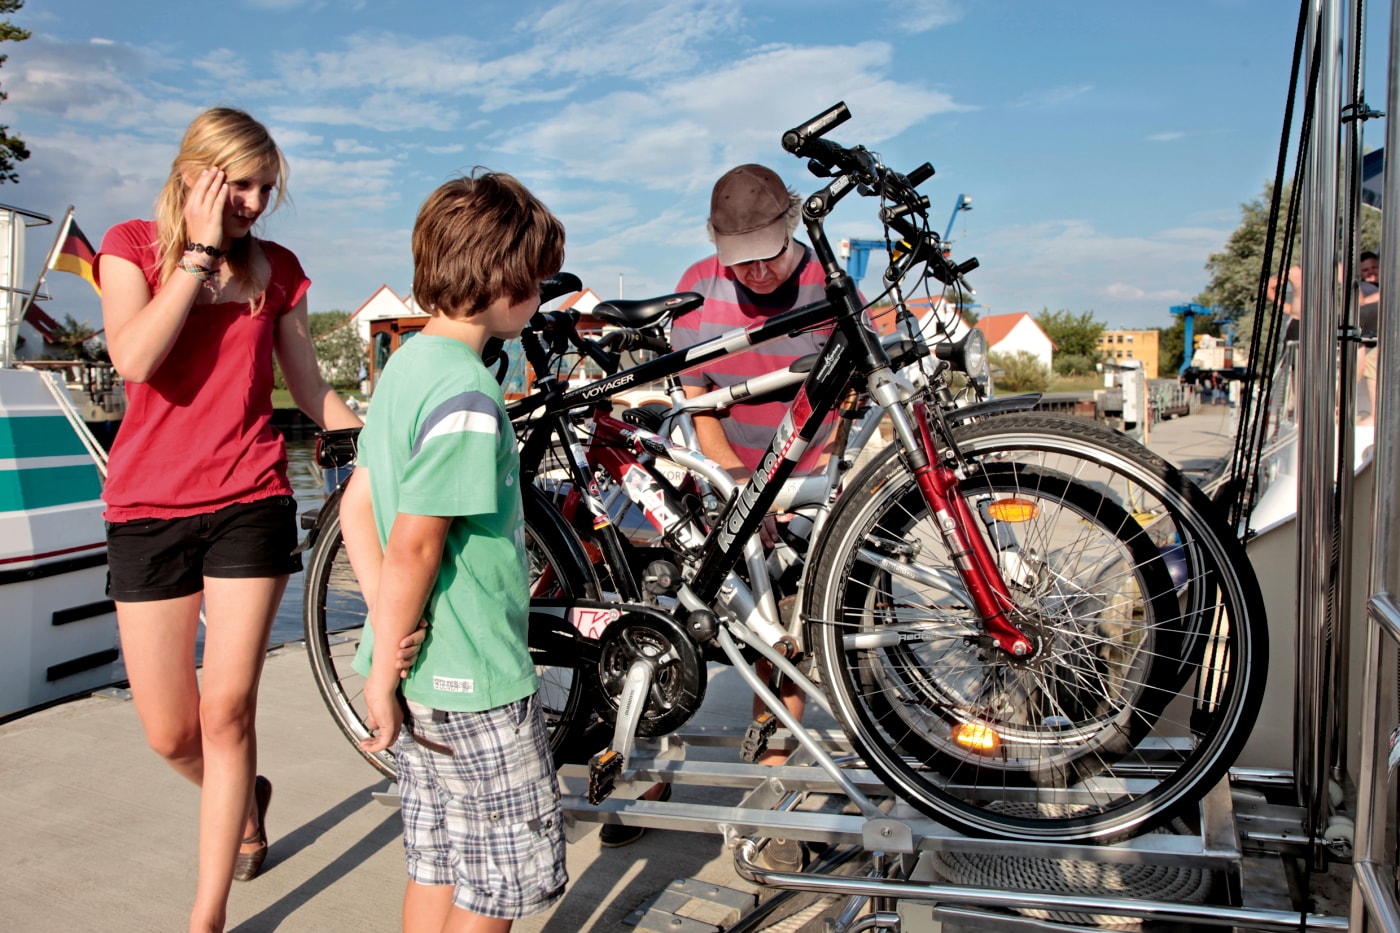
<point>678,685</point>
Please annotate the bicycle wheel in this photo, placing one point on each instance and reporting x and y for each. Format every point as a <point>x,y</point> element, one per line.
<point>1207,563</point>
<point>334,619</point>
<point>1139,695</point>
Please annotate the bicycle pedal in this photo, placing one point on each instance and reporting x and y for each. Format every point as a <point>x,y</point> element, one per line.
<point>603,769</point>
<point>756,736</point>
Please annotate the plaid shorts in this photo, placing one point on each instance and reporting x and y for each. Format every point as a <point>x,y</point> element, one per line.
<point>484,818</point>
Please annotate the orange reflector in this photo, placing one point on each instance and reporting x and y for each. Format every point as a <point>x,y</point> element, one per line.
<point>1013,510</point>
<point>976,737</point>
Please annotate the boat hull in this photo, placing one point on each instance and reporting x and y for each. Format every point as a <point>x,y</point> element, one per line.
<point>58,629</point>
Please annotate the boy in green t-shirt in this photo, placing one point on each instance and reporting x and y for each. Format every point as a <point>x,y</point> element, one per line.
<point>433,525</point>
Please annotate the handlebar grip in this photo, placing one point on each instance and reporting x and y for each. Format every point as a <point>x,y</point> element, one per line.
<point>920,175</point>
<point>825,153</point>
<point>594,352</point>
<point>799,137</point>
<point>558,285</point>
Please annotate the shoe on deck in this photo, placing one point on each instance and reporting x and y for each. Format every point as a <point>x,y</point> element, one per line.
<point>615,835</point>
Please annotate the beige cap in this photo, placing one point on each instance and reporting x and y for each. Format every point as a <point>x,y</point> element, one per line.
<point>748,214</point>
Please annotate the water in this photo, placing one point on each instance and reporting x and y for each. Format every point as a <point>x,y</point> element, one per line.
<point>310,492</point>
<point>308,487</point>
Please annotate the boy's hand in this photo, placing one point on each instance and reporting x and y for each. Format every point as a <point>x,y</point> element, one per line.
<point>410,646</point>
<point>384,719</point>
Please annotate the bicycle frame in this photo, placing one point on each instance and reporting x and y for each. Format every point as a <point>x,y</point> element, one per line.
<point>852,348</point>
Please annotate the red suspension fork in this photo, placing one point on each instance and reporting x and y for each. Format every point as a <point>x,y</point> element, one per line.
<point>973,558</point>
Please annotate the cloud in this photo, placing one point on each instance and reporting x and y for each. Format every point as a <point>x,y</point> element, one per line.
<point>1053,96</point>
<point>923,15</point>
<point>1121,291</point>
<point>680,135</point>
<point>289,138</point>
<point>100,83</point>
<point>642,39</point>
<point>1166,137</point>
<point>382,112</point>
<point>357,185</point>
<point>1059,264</point>
<point>567,46</point>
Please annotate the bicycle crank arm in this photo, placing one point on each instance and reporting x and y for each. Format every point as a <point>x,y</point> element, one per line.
<point>635,688</point>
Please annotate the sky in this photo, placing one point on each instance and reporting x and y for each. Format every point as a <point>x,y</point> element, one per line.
<point>1106,146</point>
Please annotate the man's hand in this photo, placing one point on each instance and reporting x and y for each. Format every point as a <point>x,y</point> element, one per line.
<point>409,648</point>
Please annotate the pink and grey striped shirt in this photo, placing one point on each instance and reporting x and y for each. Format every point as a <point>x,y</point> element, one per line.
<point>729,306</point>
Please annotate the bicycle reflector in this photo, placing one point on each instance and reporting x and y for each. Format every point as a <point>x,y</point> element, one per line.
<point>977,737</point>
<point>1012,509</point>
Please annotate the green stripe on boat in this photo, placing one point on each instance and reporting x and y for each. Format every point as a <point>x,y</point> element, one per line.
<point>40,436</point>
<point>39,489</point>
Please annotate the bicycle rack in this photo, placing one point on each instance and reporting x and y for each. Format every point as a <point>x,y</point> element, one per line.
<point>896,841</point>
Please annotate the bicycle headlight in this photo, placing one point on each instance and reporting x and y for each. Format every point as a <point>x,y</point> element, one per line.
<point>968,355</point>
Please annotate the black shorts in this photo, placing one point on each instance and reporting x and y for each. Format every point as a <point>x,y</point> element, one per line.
<point>153,558</point>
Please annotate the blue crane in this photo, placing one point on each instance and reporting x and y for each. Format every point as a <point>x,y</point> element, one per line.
<point>1189,313</point>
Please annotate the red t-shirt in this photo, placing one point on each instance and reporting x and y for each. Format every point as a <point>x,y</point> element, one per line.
<point>198,435</point>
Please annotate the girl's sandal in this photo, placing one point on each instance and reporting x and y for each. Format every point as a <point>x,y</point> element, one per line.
<point>248,864</point>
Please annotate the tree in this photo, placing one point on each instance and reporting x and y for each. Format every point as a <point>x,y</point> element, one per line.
<point>1021,371</point>
<point>12,148</point>
<point>74,340</point>
<point>1235,270</point>
<point>1073,334</point>
<point>338,347</point>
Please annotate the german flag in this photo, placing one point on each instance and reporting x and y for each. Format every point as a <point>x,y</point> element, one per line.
<point>76,255</point>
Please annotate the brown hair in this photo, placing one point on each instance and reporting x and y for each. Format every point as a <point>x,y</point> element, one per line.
<point>230,140</point>
<point>479,238</point>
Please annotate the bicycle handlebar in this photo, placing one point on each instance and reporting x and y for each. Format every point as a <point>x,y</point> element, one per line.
<point>797,139</point>
<point>558,285</point>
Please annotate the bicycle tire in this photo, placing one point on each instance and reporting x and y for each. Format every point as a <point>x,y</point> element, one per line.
<point>1196,707</point>
<point>334,617</point>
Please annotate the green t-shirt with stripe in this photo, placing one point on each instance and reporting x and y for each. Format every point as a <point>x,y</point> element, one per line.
<point>437,442</point>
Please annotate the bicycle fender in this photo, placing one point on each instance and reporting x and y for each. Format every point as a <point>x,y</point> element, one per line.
<point>992,407</point>
<point>314,520</point>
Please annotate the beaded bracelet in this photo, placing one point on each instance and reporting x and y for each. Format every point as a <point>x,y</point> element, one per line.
<point>195,269</point>
<point>213,252</point>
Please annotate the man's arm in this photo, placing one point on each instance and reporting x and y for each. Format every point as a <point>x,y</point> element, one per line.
<point>410,566</point>
<point>713,442</point>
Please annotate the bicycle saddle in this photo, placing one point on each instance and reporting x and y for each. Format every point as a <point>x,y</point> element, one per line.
<point>647,311</point>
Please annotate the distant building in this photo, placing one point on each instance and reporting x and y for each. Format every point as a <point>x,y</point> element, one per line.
<point>938,318</point>
<point>384,322</point>
<point>1011,333</point>
<point>1140,345</point>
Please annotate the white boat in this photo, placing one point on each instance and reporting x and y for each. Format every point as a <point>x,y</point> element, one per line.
<point>58,629</point>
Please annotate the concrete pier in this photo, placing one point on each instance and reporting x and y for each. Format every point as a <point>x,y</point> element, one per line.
<point>100,834</point>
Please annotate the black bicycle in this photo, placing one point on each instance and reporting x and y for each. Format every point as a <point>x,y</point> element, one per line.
<point>1027,627</point>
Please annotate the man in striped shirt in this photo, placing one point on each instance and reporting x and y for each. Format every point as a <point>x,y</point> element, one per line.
<point>758,270</point>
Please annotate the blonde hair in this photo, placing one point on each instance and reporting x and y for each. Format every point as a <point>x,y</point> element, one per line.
<point>230,140</point>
